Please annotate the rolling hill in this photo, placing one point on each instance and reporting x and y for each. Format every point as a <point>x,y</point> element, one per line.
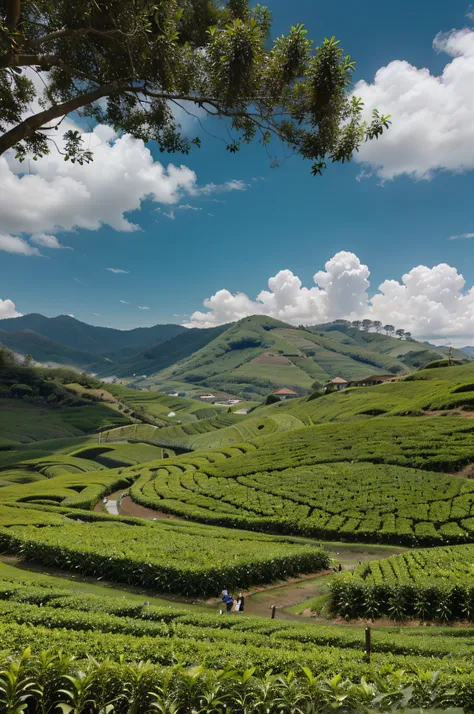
<point>259,354</point>
<point>249,358</point>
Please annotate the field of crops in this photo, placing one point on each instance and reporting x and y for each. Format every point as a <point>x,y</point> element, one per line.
<point>48,603</point>
<point>70,489</point>
<point>159,405</point>
<point>436,583</point>
<point>169,557</point>
<point>355,502</point>
<point>433,443</point>
<point>22,422</point>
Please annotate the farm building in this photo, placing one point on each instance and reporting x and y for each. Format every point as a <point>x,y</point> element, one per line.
<point>373,380</point>
<point>336,384</point>
<point>285,393</point>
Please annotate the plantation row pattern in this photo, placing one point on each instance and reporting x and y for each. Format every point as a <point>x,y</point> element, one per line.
<point>359,501</point>
<point>431,584</point>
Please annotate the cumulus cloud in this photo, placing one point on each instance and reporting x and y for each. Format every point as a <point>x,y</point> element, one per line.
<point>433,116</point>
<point>143,307</point>
<point>58,195</point>
<point>47,241</point>
<point>18,246</point>
<point>117,270</point>
<point>461,235</point>
<point>8,309</point>
<point>431,303</point>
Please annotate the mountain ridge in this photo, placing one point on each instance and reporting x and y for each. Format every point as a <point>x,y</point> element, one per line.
<point>249,358</point>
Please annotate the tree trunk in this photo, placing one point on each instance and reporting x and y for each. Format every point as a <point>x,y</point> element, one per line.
<point>13,14</point>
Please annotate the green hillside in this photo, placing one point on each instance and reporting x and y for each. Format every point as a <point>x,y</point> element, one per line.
<point>258,355</point>
<point>163,354</point>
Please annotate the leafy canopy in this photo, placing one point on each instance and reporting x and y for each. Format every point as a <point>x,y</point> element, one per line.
<point>128,63</point>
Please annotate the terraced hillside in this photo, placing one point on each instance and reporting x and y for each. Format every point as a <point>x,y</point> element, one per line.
<point>259,354</point>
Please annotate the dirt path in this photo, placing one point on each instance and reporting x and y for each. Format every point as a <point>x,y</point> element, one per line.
<point>130,508</point>
<point>119,505</point>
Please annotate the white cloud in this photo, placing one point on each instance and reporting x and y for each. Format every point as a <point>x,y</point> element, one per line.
<point>8,309</point>
<point>188,207</point>
<point>470,12</point>
<point>56,195</point>
<point>96,314</point>
<point>169,214</point>
<point>69,314</point>
<point>124,302</point>
<point>13,244</point>
<point>47,241</point>
<point>78,281</point>
<point>433,116</point>
<point>233,185</point>
<point>431,303</point>
<point>143,307</point>
<point>461,235</point>
<point>117,270</point>
<point>52,195</point>
<point>60,195</point>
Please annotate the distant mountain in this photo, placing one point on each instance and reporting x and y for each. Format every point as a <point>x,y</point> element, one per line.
<point>249,358</point>
<point>468,351</point>
<point>51,353</point>
<point>65,340</point>
<point>79,335</point>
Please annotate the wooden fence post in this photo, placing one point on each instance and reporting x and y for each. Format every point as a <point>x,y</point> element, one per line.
<point>273,611</point>
<point>368,643</point>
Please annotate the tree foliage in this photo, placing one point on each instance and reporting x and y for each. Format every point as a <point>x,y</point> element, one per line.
<point>129,63</point>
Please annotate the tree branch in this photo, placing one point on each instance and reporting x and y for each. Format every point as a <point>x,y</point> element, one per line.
<point>34,123</point>
<point>66,31</point>
<point>45,62</point>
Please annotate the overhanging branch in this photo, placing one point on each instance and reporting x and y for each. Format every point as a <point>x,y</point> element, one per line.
<point>37,121</point>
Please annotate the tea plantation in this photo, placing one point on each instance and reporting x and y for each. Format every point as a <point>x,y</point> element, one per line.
<point>437,583</point>
<point>253,495</point>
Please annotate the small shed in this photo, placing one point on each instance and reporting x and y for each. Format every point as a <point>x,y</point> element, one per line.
<point>285,393</point>
<point>336,384</point>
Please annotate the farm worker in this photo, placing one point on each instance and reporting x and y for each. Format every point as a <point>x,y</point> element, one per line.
<point>228,600</point>
<point>240,603</point>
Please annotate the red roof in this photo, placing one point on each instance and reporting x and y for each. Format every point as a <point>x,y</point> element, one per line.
<point>284,390</point>
<point>338,380</point>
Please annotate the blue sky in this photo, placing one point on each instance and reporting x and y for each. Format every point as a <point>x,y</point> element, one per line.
<point>286,219</point>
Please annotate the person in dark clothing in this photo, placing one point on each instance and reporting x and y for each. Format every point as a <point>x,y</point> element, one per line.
<point>228,600</point>
<point>241,602</point>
